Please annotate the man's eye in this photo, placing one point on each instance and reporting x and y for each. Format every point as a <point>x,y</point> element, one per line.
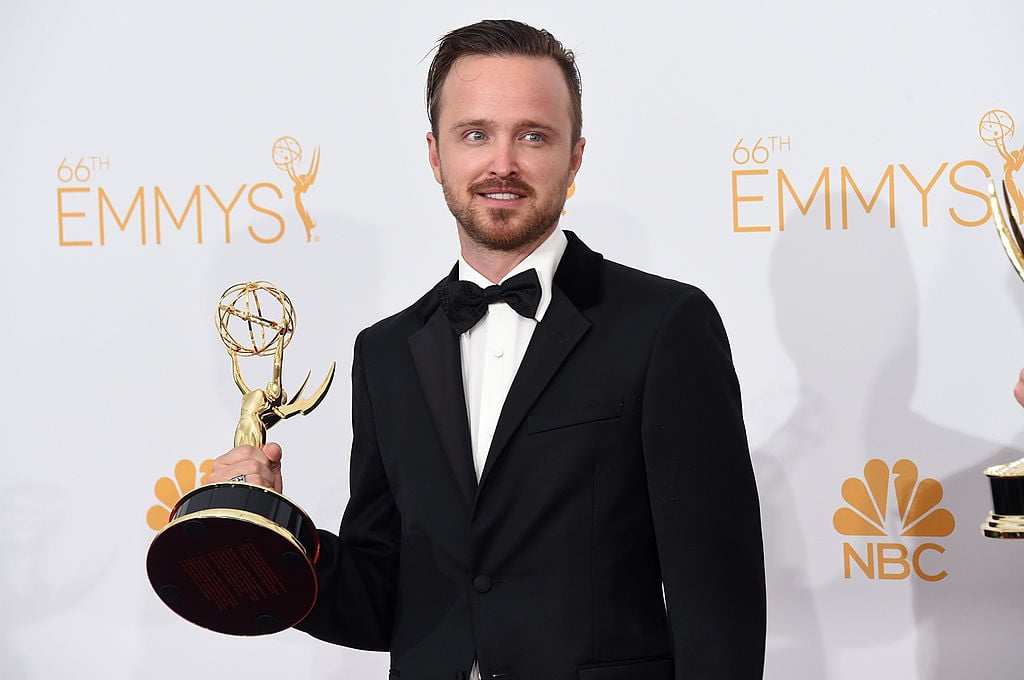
<point>475,136</point>
<point>533,137</point>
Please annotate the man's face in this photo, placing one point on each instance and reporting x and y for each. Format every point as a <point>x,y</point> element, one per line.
<point>503,152</point>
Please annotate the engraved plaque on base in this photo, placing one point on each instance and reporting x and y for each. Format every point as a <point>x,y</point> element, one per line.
<point>236,558</point>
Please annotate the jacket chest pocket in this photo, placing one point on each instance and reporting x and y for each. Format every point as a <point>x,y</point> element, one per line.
<point>608,408</point>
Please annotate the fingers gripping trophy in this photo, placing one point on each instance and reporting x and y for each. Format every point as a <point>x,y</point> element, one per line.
<point>238,558</point>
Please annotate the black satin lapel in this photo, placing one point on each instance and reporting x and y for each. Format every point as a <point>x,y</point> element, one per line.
<point>552,341</point>
<point>435,350</point>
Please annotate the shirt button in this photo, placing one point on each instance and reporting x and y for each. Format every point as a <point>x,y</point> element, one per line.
<point>482,583</point>
<point>498,352</point>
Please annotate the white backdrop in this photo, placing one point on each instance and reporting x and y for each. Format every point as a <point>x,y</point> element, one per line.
<point>888,339</point>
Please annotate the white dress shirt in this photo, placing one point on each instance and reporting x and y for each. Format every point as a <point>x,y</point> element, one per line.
<point>493,349</point>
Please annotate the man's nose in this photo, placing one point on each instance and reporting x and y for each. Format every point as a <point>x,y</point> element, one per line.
<point>504,161</point>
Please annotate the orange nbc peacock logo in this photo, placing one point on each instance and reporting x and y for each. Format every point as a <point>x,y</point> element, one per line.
<point>916,502</point>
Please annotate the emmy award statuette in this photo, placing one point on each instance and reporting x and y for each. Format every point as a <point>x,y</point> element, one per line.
<point>238,558</point>
<point>1006,520</point>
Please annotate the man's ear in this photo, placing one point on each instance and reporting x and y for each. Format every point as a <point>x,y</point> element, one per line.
<point>576,160</point>
<point>434,156</point>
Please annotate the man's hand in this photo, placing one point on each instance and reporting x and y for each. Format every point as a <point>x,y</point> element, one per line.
<point>260,466</point>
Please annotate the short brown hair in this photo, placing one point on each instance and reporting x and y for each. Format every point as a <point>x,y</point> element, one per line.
<point>503,38</point>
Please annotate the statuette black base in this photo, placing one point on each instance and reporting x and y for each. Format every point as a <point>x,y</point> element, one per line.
<point>236,558</point>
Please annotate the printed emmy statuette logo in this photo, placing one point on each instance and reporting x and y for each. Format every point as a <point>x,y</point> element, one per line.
<point>287,152</point>
<point>996,129</point>
<point>916,515</point>
<point>169,491</point>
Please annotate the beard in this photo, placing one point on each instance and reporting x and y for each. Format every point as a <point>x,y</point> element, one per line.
<point>503,229</point>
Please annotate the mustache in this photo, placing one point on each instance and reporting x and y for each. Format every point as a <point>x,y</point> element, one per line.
<point>498,186</point>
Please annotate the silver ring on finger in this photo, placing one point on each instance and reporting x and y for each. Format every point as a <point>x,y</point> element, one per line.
<point>237,478</point>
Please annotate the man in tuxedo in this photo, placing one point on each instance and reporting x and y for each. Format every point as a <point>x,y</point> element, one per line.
<point>550,478</point>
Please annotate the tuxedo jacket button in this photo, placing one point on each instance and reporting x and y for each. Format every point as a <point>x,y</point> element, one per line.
<point>482,583</point>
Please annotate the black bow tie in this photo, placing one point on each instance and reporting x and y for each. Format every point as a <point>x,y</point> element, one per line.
<point>465,303</point>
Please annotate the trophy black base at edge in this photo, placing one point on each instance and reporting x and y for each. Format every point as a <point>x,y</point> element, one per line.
<point>1003,526</point>
<point>236,558</point>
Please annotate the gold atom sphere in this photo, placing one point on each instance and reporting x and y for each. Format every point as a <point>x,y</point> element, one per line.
<point>252,318</point>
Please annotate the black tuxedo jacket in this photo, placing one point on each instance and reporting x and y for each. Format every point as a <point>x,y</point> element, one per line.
<point>615,532</point>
